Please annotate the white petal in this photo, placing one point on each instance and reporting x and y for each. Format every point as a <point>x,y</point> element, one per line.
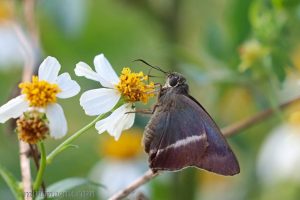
<point>125,123</point>
<point>99,101</point>
<point>129,117</point>
<point>13,108</point>
<point>115,123</point>
<point>83,69</point>
<point>120,120</point>
<point>57,121</point>
<point>110,121</point>
<point>49,69</point>
<point>101,125</point>
<point>105,70</point>
<point>68,86</point>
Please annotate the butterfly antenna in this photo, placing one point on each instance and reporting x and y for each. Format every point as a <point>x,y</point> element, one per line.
<point>152,76</point>
<point>154,67</point>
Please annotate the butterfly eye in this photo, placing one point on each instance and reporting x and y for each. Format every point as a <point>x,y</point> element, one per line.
<point>173,81</point>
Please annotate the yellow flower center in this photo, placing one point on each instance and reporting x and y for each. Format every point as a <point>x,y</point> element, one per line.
<point>127,147</point>
<point>133,88</point>
<point>39,93</point>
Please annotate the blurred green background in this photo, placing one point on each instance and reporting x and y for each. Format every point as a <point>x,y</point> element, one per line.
<point>239,57</point>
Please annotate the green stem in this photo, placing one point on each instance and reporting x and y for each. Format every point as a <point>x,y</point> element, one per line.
<point>68,141</point>
<point>39,178</point>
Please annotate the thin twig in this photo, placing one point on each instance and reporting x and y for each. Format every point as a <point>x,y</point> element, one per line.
<point>246,123</point>
<point>29,6</point>
<point>25,169</point>
<point>32,26</point>
<point>24,150</point>
<point>149,175</point>
<point>227,132</point>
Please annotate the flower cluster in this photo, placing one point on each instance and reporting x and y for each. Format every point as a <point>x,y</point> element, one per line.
<point>130,86</point>
<point>40,115</point>
<point>41,95</point>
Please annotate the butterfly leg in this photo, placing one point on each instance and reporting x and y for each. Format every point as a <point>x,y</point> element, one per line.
<point>155,89</point>
<point>158,84</point>
<point>145,111</point>
<point>149,71</point>
<point>160,89</point>
<point>141,111</point>
<point>149,111</point>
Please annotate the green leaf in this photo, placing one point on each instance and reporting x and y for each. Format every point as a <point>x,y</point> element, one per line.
<point>12,183</point>
<point>292,4</point>
<point>280,61</point>
<point>67,185</point>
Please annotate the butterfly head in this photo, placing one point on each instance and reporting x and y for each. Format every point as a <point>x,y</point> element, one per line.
<point>175,83</point>
<point>175,79</point>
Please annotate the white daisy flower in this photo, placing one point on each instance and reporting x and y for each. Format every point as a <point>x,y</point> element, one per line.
<point>130,86</point>
<point>110,167</point>
<point>40,95</point>
<point>279,158</point>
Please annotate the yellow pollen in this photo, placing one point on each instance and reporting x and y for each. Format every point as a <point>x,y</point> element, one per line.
<point>133,88</point>
<point>39,93</point>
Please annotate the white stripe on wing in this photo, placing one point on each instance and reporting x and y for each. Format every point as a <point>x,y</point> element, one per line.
<point>183,142</point>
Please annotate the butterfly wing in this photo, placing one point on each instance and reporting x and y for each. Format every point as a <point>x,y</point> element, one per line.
<point>183,134</point>
<point>173,139</point>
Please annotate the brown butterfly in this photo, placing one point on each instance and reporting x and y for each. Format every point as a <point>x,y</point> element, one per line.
<point>181,133</point>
